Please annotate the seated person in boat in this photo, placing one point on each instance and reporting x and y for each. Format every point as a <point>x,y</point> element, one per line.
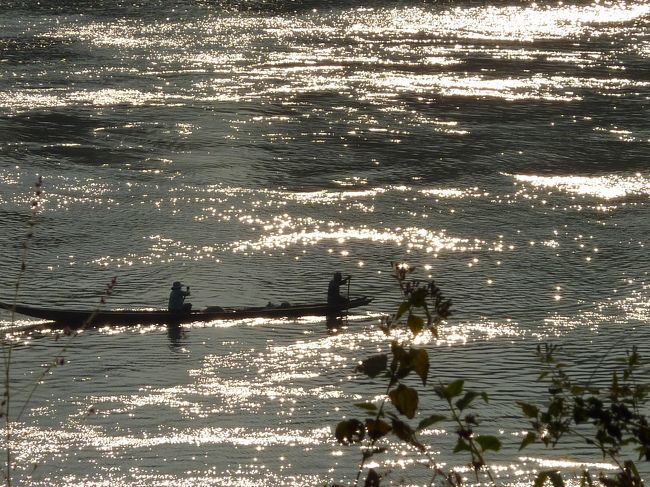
<point>334,296</point>
<point>177,298</point>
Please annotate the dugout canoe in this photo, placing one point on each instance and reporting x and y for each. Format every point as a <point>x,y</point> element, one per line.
<point>78,318</point>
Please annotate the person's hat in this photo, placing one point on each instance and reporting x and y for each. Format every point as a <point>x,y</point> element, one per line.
<point>176,285</point>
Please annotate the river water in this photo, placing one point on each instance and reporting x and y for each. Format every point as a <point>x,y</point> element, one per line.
<point>250,149</point>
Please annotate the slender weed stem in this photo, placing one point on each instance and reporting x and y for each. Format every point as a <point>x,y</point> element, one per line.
<point>7,345</point>
<point>60,360</point>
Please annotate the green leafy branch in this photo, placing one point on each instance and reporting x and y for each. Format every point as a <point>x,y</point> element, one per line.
<point>614,414</point>
<point>423,308</point>
<point>458,400</point>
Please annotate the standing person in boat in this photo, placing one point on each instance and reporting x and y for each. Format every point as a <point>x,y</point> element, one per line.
<point>177,298</point>
<point>334,296</point>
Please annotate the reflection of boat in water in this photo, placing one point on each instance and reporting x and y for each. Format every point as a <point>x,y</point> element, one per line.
<point>77,318</point>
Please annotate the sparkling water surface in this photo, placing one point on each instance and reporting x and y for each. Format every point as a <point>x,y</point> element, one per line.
<point>251,149</point>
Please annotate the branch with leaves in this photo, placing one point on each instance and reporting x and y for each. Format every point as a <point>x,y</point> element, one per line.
<point>423,308</point>
<point>614,413</point>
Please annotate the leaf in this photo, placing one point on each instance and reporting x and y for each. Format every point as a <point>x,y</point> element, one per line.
<point>586,479</point>
<point>556,407</point>
<point>461,445</point>
<point>431,420</point>
<point>466,400</point>
<point>405,399</point>
<point>418,297</point>
<point>368,406</point>
<point>529,410</point>
<point>631,468</point>
<point>403,308</point>
<point>433,329</point>
<point>402,372</point>
<point>350,431</point>
<point>488,442</point>
<point>578,390</point>
<point>420,363</point>
<point>377,428</point>
<point>373,479</point>
<point>454,389</point>
<point>415,324</point>
<point>528,439</point>
<point>552,475</point>
<point>400,355</point>
<point>373,366</point>
<point>404,432</point>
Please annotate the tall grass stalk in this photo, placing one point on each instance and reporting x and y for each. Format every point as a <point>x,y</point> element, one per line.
<point>7,345</point>
<point>611,419</point>
<point>8,342</point>
<point>60,359</point>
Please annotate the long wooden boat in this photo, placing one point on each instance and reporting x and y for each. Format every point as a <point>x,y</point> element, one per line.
<point>77,318</point>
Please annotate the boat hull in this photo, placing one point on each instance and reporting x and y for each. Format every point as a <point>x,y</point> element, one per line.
<point>83,318</point>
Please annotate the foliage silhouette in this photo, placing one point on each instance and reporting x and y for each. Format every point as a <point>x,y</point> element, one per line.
<point>423,308</point>
<point>609,419</point>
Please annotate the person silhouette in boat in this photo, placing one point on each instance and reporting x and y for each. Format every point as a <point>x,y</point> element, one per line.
<point>177,297</point>
<point>334,296</point>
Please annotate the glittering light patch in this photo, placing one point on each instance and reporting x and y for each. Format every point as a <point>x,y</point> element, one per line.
<point>162,250</point>
<point>283,375</point>
<point>480,330</point>
<point>352,181</point>
<point>536,87</point>
<point>276,198</point>
<point>333,196</point>
<point>438,125</point>
<point>568,464</point>
<point>625,310</point>
<point>450,193</point>
<point>17,324</point>
<point>61,98</point>
<point>606,187</point>
<point>299,63</point>
<point>413,237</point>
<point>510,22</point>
<point>513,22</point>
<point>90,437</point>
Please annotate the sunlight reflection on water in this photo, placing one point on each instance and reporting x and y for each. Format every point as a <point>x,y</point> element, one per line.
<point>501,149</point>
<point>298,65</point>
<point>606,187</point>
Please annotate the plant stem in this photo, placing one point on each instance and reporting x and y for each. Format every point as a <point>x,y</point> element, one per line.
<point>7,344</point>
<point>364,455</point>
<point>8,347</point>
<point>8,350</point>
<point>476,454</point>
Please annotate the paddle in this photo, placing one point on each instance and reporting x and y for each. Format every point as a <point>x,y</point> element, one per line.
<point>347,309</point>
